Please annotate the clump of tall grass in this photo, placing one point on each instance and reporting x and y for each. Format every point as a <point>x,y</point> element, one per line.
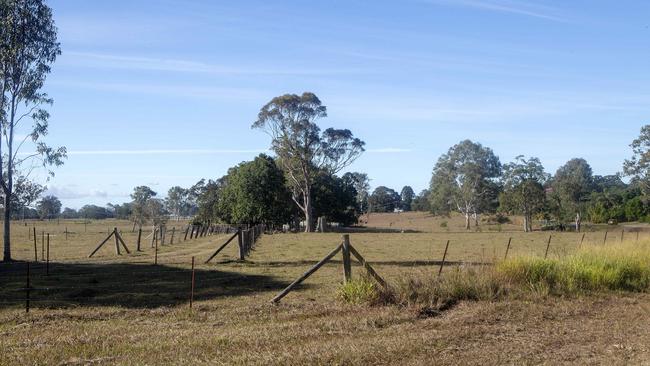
<point>359,291</point>
<point>621,267</point>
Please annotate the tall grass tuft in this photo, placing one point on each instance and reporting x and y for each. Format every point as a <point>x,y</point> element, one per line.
<point>359,291</point>
<point>621,267</point>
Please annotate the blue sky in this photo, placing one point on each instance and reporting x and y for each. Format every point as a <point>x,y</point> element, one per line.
<point>164,92</point>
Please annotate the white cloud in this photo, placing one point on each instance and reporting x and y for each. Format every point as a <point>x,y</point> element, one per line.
<point>68,194</point>
<point>164,152</point>
<point>507,6</point>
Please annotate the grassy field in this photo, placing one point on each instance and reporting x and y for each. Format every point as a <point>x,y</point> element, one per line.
<point>124,310</point>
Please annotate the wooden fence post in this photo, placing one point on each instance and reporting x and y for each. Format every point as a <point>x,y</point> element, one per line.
<point>36,248</point>
<point>66,233</point>
<point>47,263</point>
<point>507,249</point>
<point>622,234</point>
<point>163,233</point>
<point>155,255</point>
<point>637,235</point>
<point>27,288</point>
<point>582,240</point>
<point>187,230</point>
<point>347,266</point>
<point>137,245</point>
<point>241,244</point>
<point>171,242</point>
<point>444,257</point>
<point>192,290</point>
<point>548,245</point>
<point>42,244</point>
<point>605,239</point>
<point>117,242</point>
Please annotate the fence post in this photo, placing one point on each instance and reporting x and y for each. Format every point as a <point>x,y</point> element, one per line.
<point>117,242</point>
<point>622,234</point>
<point>47,263</point>
<point>42,244</point>
<point>187,230</point>
<point>347,266</point>
<point>444,257</point>
<point>582,240</point>
<point>35,248</point>
<point>27,288</point>
<point>171,242</point>
<point>66,233</point>
<point>605,240</point>
<point>137,245</point>
<point>507,249</point>
<point>155,255</point>
<point>548,245</point>
<point>192,290</point>
<point>241,244</point>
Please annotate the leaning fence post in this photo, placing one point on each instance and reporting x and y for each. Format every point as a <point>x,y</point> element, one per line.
<point>444,257</point>
<point>117,242</point>
<point>507,249</point>
<point>548,245</point>
<point>347,266</point>
<point>582,240</point>
<point>187,230</point>
<point>192,289</point>
<point>605,239</point>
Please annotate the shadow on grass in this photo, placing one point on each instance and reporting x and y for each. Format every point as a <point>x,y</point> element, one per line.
<point>304,263</point>
<point>123,284</point>
<point>372,230</point>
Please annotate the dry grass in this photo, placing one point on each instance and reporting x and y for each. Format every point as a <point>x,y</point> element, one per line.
<point>130,312</point>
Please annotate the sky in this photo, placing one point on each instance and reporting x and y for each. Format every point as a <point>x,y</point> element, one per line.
<point>164,92</point>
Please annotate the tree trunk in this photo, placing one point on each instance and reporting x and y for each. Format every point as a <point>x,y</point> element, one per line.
<point>475,215</point>
<point>467,226</point>
<point>578,222</point>
<point>7,229</point>
<point>309,214</point>
<point>525,223</point>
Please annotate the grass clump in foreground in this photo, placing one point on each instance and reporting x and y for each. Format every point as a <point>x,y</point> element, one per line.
<point>358,292</point>
<point>621,267</point>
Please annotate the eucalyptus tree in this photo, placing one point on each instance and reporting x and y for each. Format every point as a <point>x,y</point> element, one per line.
<point>361,184</point>
<point>49,207</point>
<point>407,195</point>
<point>523,188</point>
<point>570,190</point>
<point>464,179</point>
<point>302,150</point>
<point>28,48</point>
<point>140,207</point>
<point>176,201</point>
<point>638,166</point>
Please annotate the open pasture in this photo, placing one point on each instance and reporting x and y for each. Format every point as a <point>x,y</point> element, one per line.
<point>123,309</point>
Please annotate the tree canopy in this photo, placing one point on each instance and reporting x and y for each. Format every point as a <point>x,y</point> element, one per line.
<point>302,150</point>
<point>523,188</point>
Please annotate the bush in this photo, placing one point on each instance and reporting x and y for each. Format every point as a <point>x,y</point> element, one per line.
<point>359,292</point>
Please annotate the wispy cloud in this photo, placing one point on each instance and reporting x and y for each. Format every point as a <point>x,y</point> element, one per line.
<point>130,62</point>
<point>165,152</point>
<point>67,193</point>
<point>389,150</point>
<point>524,8</point>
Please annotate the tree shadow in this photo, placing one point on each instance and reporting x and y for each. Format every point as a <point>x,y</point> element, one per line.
<point>123,285</point>
<point>372,230</point>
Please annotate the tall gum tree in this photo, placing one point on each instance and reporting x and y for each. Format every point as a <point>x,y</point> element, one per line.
<point>302,149</point>
<point>28,46</point>
<point>464,180</point>
<point>523,188</point>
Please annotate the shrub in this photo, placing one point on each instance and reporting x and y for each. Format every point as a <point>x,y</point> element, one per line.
<point>359,292</point>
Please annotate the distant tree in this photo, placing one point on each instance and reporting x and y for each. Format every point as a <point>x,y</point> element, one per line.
<point>361,184</point>
<point>69,213</point>
<point>141,196</point>
<point>571,187</point>
<point>176,201</point>
<point>302,150</point>
<point>49,207</point>
<point>464,180</point>
<point>28,46</point>
<point>122,211</point>
<point>26,192</point>
<point>336,199</point>
<point>407,195</point>
<point>608,182</point>
<point>207,199</point>
<point>523,189</point>
<point>638,166</point>
<point>155,211</point>
<point>255,192</point>
<point>421,202</point>
<point>384,199</point>
<point>94,212</point>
